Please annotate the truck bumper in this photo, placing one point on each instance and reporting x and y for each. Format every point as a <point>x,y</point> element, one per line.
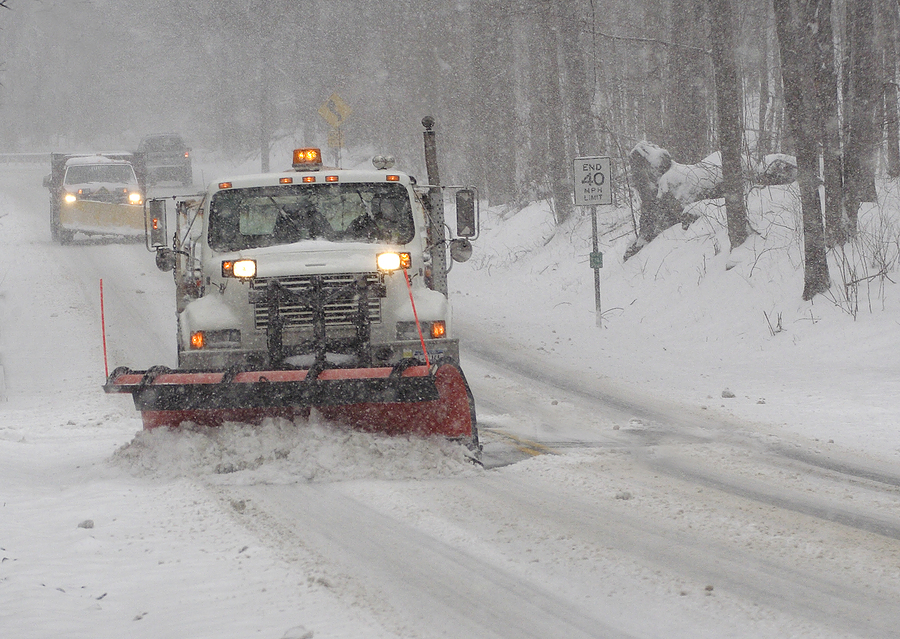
<point>382,355</point>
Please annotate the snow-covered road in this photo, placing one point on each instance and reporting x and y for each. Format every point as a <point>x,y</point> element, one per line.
<point>600,512</point>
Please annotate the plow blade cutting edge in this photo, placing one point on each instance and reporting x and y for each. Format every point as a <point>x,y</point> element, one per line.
<point>412,400</point>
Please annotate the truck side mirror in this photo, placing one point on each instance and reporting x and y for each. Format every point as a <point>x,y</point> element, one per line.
<point>47,181</point>
<point>460,249</point>
<point>155,221</point>
<point>165,259</point>
<point>466,225</point>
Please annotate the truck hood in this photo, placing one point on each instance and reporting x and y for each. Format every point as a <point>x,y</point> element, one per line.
<point>313,257</point>
<point>90,187</point>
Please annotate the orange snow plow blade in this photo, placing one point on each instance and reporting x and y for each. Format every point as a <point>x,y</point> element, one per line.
<point>400,400</point>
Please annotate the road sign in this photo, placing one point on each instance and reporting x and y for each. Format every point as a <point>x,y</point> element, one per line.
<point>592,184</point>
<point>335,138</point>
<point>335,110</point>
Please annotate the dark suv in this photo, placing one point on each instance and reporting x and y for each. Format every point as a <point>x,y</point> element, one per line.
<point>166,158</point>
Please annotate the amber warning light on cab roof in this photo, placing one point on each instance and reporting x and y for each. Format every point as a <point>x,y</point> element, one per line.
<point>307,159</point>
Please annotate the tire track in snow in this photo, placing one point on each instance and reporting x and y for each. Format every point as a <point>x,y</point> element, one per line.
<point>647,430</point>
<point>416,582</point>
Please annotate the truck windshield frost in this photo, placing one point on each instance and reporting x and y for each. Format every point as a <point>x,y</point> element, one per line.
<point>345,212</point>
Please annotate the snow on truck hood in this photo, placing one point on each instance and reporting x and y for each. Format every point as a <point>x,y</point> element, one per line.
<point>80,160</point>
<point>313,257</point>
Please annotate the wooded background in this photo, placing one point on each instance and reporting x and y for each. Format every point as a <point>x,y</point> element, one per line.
<point>518,87</point>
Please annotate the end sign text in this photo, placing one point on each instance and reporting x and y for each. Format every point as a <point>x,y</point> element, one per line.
<point>592,181</point>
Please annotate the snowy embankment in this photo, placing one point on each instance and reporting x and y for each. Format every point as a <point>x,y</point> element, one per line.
<point>686,321</point>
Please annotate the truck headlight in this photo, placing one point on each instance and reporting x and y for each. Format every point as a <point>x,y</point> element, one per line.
<point>393,261</point>
<point>244,269</point>
<point>70,198</point>
<point>135,198</point>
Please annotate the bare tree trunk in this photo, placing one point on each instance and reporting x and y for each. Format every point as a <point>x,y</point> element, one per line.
<point>798,73</point>
<point>864,91</point>
<point>728,101</point>
<point>763,139</point>
<point>888,23</point>
<point>777,127</point>
<point>555,140</point>
<point>264,14</point>
<point>654,58</point>
<point>819,21</point>
<point>493,118</point>
<point>584,138</point>
<point>688,112</point>
<point>892,126</point>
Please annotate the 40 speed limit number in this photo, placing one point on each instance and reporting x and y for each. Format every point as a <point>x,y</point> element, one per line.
<point>592,185</point>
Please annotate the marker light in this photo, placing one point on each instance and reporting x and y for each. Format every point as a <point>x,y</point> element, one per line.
<point>70,198</point>
<point>438,329</point>
<point>135,198</point>
<point>307,159</point>
<point>331,178</point>
<point>224,185</point>
<point>309,178</point>
<point>229,338</point>
<point>392,178</point>
<point>393,261</point>
<point>243,269</point>
<point>286,180</point>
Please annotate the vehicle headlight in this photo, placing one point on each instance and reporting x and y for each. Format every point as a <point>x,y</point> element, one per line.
<point>244,269</point>
<point>70,198</point>
<point>393,261</point>
<point>135,198</point>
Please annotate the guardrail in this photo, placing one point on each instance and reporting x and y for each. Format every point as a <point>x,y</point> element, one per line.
<point>24,158</point>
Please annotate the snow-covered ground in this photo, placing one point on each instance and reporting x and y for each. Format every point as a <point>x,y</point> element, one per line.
<point>687,321</point>
<point>664,506</point>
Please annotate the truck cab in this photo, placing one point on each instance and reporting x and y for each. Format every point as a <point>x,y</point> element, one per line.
<point>284,269</point>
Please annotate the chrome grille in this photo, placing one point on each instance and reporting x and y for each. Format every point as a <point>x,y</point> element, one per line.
<point>338,312</point>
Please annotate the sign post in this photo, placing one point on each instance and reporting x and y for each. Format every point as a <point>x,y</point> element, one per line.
<point>335,111</point>
<point>592,188</point>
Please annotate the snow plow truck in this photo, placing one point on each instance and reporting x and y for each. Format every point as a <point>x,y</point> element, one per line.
<point>313,289</point>
<point>94,194</point>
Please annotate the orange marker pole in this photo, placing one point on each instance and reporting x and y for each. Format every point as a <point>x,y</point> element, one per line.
<point>416,316</point>
<point>103,329</point>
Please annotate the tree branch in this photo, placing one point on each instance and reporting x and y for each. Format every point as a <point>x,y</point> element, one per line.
<point>674,45</point>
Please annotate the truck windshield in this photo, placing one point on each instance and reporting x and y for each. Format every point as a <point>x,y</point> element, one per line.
<point>343,212</point>
<point>108,173</point>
